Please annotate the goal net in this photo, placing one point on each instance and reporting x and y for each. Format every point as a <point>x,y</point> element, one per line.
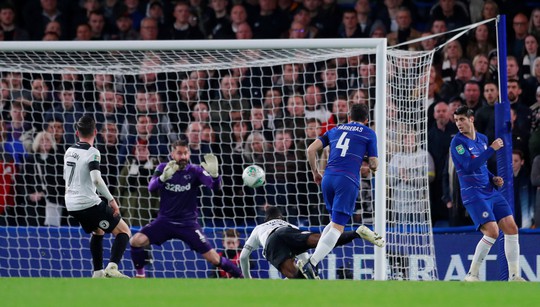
<point>248,102</point>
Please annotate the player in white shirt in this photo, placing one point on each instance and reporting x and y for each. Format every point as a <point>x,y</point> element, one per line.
<point>83,178</point>
<point>283,241</point>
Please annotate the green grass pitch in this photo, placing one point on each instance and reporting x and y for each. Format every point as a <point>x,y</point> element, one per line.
<point>239,292</point>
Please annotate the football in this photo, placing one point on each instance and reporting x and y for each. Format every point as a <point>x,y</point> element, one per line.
<point>253,176</point>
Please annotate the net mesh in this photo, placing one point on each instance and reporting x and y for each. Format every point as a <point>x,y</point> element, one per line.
<point>255,106</point>
<point>410,250</point>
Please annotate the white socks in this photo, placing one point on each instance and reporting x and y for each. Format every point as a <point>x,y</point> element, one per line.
<point>482,249</point>
<point>511,251</point>
<point>325,230</point>
<point>326,243</point>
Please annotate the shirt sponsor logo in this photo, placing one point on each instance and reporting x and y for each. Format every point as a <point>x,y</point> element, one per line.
<point>460,150</point>
<point>177,187</point>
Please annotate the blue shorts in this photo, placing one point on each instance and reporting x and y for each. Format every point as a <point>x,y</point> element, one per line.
<point>491,209</point>
<point>340,195</point>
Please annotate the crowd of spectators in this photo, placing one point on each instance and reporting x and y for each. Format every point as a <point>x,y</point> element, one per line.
<point>267,116</point>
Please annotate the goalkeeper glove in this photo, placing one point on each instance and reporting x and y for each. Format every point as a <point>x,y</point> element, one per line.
<point>211,165</point>
<point>168,171</point>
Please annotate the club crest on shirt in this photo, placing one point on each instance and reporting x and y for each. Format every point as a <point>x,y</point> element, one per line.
<point>460,150</point>
<point>104,224</point>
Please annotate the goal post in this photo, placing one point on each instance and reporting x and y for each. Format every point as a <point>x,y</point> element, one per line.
<point>177,76</point>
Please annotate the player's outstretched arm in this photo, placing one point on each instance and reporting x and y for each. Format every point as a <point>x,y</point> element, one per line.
<point>244,261</point>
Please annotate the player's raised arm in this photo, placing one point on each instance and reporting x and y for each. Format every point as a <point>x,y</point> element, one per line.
<point>461,155</point>
<point>162,174</point>
<point>210,166</point>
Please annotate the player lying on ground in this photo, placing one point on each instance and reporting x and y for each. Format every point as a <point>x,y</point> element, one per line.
<point>283,241</point>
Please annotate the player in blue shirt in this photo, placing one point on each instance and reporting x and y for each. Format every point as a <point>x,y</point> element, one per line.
<point>487,207</point>
<point>178,184</point>
<point>349,143</point>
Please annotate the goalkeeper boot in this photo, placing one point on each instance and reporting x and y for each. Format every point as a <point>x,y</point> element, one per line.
<point>99,274</point>
<point>111,271</point>
<point>471,278</point>
<point>368,235</point>
<point>308,269</point>
<point>517,278</point>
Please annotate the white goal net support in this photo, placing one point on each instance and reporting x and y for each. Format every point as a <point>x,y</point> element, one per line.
<point>248,102</point>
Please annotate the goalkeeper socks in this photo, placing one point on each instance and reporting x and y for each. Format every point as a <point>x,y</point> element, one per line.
<point>118,247</point>
<point>138,257</point>
<point>511,251</point>
<point>140,272</point>
<point>482,249</point>
<point>325,245</point>
<point>347,237</point>
<point>96,249</point>
<point>229,267</point>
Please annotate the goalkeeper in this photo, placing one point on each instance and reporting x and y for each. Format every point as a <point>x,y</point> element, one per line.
<point>178,184</point>
<point>283,242</point>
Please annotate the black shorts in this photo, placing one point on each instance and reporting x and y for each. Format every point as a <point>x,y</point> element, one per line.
<point>98,216</point>
<point>285,243</point>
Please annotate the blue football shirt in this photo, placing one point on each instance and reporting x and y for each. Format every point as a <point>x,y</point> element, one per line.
<point>469,157</point>
<point>349,143</point>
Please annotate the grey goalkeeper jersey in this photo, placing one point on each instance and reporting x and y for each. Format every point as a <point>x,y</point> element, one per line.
<point>79,160</point>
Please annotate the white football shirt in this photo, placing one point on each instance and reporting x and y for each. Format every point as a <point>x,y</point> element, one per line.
<point>79,160</point>
<point>260,234</point>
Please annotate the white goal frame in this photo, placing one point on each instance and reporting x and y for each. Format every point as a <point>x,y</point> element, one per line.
<point>380,45</point>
